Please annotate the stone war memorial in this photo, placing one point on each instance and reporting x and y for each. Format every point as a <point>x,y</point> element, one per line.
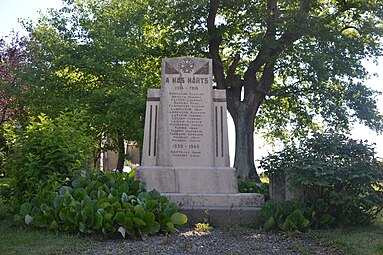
<point>185,152</point>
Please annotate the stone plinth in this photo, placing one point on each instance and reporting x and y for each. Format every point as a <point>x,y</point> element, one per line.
<point>189,179</point>
<point>219,209</point>
<point>185,152</point>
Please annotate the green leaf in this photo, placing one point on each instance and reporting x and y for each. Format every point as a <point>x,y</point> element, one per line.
<point>179,219</point>
<point>54,225</point>
<point>102,194</point>
<point>123,188</point>
<point>35,211</point>
<point>63,190</point>
<point>116,206</point>
<point>18,218</point>
<point>139,211</point>
<point>119,218</point>
<point>289,226</point>
<point>164,199</point>
<point>112,199</point>
<point>82,227</point>
<point>131,174</point>
<point>128,223</point>
<point>63,214</point>
<point>138,221</point>
<point>71,216</point>
<point>79,193</point>
<point>90,220</point>
<point>108,219</point>
<point>25,208</point>
<point>154,228</point>
<point>124,198</point>
<point>269,224</point>
<point>101,211</point>
<point>44,208</point>
<point>326,220</point>
<point>77,218</point>
<point>40,221</point>
<point>149,218</point>
<point>76,183</point>
<point>108,230</point>
<point>107,207</point>
<point>28,219</point>
<point>170,227</point>
<point>128,206</point>
<point>170,209</point>
<point>122,231</point>
<point>57,201</point>
<point>155,194</point>
<point>97,221</point>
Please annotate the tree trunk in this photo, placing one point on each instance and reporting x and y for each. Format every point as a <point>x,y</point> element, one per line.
<point>121,153</point>
<point>244,151</point>
<point>243,119</point>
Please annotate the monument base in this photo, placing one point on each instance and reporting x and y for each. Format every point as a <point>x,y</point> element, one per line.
<point>219,209</point>
<point>207,194</point>
<point>197,180</point>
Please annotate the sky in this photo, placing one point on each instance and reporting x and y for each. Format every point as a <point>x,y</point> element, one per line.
<point>12,10</point>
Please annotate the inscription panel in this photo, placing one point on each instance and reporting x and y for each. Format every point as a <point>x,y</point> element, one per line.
<point>187,97</point>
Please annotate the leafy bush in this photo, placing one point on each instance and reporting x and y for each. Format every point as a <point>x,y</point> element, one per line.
<point>44,153</point>
<point>341,177</point>
<point>104,202</point>
<point>290,216</point>
<point>250,186</point>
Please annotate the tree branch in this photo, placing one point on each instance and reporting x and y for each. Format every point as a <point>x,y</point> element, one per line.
<point>233,80</point>
<point>261,58</point>
<point>215,40</point>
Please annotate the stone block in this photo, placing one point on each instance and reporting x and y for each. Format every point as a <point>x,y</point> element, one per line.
<point>189,179</point>
<point>219,209</point>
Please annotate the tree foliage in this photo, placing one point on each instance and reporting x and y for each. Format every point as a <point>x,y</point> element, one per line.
<point>290,66</point>
<point>93,55</point>
<point>12,60</point>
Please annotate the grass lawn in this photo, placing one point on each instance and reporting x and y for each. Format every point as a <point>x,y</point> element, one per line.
<point>363,240</point>
<point>23,240</point>
<point>16,240</point>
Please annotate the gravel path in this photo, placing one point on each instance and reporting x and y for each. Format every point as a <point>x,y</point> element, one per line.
<point>234,240</point>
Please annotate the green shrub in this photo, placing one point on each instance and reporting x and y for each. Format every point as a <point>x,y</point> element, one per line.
<point>105,203</point>
<point>250,186</point>
<point>340,177</point>
<point>45,153</point>
<point>290,216</point>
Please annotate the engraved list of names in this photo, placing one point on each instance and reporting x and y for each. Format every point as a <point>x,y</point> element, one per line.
<point>186,85</point>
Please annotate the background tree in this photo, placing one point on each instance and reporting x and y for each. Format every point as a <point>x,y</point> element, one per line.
<point>288,67</point>
<point>12,60</point>
<point>94,55</point>
<point>12,107</point>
